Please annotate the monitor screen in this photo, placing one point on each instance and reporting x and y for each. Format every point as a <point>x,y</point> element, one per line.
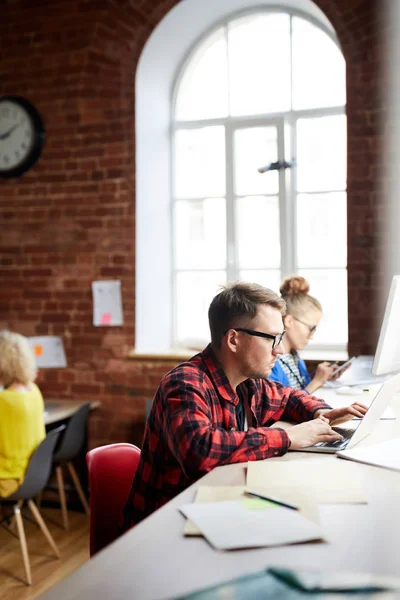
<point>387,355</point>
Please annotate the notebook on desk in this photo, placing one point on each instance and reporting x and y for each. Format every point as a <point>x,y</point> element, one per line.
<point>353,436</point>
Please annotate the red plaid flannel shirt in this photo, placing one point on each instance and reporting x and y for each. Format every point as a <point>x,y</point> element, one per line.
<point>192,428</point>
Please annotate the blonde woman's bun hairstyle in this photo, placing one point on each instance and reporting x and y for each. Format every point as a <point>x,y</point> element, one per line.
<point>294,290</point>
<point>294,286</point>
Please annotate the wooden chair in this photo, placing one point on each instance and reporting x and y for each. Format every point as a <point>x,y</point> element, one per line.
<point>36,477</point>
<point>111,470</point>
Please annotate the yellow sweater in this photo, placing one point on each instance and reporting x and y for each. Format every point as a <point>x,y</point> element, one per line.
<point>21,430</point>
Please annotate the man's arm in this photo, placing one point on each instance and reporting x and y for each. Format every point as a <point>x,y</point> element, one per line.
<point>336,416</point>
<point>200,445</point>
<point>299,405</point>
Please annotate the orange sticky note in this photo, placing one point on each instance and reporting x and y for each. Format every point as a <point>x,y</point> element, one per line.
<point>38,350</point>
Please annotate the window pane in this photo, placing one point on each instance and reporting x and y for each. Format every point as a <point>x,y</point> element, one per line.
<point>270,279</point>
<point>255,147</point>
<point>203,90</point>
<point>259,64</point>
<point>330,288</point>
<point>200,162</point>
<point>319,69</point>
<point>258,236</point>
<point>194,292</point>
<point>321,154</point>
<point>200,234</point>
<point>321,230</point>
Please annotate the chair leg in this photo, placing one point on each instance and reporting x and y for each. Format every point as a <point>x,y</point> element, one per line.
<point>78,486</point>
<point>39,499</point>
<point>12,519</point>
<point>35,511</point>
<point>22,541</point>
<point>61,492</point>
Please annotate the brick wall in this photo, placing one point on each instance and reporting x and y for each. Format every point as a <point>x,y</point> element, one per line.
<point>70,220</point>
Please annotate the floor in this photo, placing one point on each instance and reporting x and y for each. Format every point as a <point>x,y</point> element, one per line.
<point>47,570</point>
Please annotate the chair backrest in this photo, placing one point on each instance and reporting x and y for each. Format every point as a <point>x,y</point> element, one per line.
<point>74,435</point>
<point>111,470</point>
<point>38,471</point>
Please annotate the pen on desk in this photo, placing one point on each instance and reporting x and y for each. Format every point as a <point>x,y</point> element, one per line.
<point>273,500</point>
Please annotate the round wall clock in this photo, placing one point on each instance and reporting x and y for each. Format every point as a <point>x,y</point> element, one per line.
<point>21,135</point>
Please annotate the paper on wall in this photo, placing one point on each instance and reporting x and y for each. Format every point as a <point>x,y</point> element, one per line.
<point>48,351</point>
<point>107,303</point>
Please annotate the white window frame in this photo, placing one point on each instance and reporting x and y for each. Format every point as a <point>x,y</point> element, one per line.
<point>155,81</point>
<point>287,197</point>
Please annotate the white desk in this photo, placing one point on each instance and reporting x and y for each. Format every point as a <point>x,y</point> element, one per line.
<point>338,400</point>
<point>154,561</point>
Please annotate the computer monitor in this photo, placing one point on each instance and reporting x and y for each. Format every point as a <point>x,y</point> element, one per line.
<point>387,355</point>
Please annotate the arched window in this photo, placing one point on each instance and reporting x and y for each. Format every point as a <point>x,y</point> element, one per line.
<point>262,91</point>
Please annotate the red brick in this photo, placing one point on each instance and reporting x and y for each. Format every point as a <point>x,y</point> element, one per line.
<point>78,67</point>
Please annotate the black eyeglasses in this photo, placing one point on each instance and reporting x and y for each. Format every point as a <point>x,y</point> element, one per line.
<point>276,338</point>
<point>311,328</point>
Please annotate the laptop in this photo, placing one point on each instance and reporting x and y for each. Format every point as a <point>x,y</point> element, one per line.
<point>351,437</point>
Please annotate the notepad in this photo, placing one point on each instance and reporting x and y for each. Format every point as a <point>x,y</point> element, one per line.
<point>325,482</point>
<point>213,493</point>
<point>221,493</point>
<point>250,523</point>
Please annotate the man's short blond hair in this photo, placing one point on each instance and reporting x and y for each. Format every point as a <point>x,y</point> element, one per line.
<point>237,301</point>
<point>17,361</point>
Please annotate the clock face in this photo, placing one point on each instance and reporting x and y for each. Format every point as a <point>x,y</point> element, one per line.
<point>21,136</point>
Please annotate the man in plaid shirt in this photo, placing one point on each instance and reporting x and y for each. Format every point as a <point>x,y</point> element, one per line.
<point>217,408</point>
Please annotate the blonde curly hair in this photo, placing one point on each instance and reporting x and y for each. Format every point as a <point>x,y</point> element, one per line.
<point>17,361</point>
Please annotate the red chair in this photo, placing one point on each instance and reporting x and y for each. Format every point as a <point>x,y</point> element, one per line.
<point>111,470</point>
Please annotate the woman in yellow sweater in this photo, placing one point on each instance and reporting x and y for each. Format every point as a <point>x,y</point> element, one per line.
<point>21,410</point>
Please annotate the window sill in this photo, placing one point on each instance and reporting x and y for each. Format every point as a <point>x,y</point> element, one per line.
<point>180,354</point>
<point>324,354</point>
<point>173,355</point>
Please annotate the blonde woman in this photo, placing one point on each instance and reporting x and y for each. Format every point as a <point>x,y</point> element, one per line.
<point>303,315</point>
<point>21,410</point>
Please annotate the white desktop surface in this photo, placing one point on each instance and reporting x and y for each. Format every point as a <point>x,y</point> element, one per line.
<point>336,400</point>
<point>154,561</point>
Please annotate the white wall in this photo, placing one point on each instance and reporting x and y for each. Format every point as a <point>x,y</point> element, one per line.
<point>159,63</point>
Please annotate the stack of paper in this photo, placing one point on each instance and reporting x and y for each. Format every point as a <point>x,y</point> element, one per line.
<point>213,493</point>
<point>250,523</point>
<point>359,373</point>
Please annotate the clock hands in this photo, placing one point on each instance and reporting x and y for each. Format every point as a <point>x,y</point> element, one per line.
<point>4,136</point>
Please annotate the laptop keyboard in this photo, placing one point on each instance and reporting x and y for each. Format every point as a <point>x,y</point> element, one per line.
<point>339,444</point>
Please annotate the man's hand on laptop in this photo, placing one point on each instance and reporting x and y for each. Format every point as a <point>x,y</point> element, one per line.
<point>335,416</point>
<point>310,433</point>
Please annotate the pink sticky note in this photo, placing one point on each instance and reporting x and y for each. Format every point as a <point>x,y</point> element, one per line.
<point>105,319</point>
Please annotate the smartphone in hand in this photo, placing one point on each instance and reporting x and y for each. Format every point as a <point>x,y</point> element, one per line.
<point>341,368</point>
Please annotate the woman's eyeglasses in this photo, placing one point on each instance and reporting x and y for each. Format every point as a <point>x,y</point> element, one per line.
<point>311,328</point>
